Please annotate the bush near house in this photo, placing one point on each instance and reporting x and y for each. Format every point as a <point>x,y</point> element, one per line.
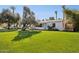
<point>52,28</point>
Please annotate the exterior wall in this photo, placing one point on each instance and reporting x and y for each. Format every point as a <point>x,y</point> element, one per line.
<point>69,25</point>
<point>45,25</point>
<point>58,25</point>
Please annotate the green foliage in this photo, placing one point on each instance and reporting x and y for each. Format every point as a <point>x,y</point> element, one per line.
<point>74,15</point>
<point>50,28</point>
<point>51,18</point>
<point>9,17</point>
<point>13,8</point>
<point>28,18</point>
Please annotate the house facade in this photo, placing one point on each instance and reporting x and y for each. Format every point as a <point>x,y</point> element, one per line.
<point>57,23</point>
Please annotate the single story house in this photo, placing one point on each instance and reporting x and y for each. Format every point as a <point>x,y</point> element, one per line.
<point>58,24</point>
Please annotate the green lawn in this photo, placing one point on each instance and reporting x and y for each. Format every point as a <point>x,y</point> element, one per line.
<point>39,41</point>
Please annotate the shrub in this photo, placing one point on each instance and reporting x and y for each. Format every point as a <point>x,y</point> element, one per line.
<point>55,29</point>
<point>50,28</point>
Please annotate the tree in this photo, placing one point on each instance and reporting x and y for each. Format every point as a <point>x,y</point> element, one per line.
<point>28,17</point>
<point>73,16</point>
<point>56,14</point>
<point>13,8</point>
<point>63,7</point>
<point>6,16</point>
<point>15,19</point>
<point>1,21</point>
<point>15,16</point>
<point>9,17</point>
<point>26,12</point>
<point>65,16</point>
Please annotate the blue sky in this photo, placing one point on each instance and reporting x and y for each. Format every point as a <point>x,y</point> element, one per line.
<point>42,11</point>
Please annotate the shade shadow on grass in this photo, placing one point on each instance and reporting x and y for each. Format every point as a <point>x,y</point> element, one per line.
<point>24,34</point>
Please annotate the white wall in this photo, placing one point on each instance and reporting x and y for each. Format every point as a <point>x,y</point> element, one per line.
<point>58,25</point>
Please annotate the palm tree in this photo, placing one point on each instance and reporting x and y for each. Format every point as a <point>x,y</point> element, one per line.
<point>63,7</point>
<point>13,9</point>
<point>56,14</point>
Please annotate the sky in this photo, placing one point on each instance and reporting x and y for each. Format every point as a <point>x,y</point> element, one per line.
<point>42,11</point>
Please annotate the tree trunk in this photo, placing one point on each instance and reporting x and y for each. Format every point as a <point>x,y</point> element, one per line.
<point>8,25</point>
<point>17,25</point>
<point>24,27</point>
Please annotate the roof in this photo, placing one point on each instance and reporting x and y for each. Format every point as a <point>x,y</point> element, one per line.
<point>48,21</point>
